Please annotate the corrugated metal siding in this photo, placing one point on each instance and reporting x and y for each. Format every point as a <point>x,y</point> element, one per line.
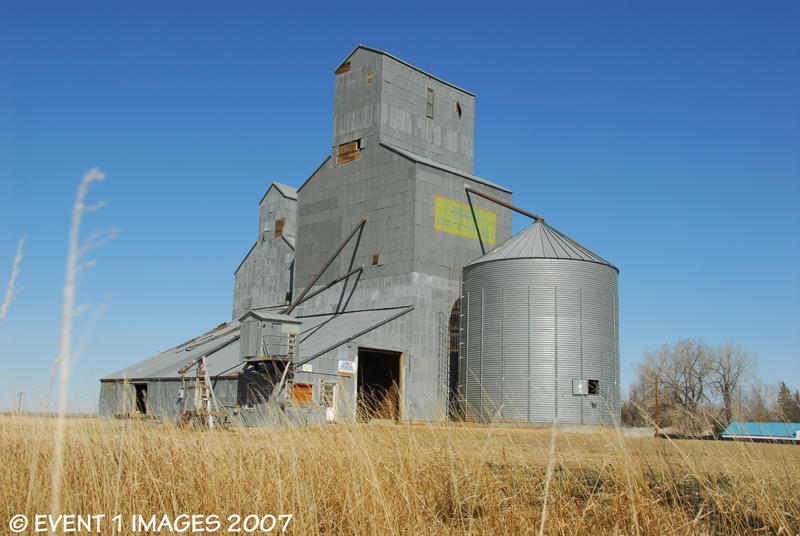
<point>543,352</point>
<point>514,389</point>
<point>492,362</point>
<point>472,363</point>
<point>531,327</point>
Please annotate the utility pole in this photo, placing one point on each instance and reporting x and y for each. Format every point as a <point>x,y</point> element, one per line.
<point>656,402</point>
<point>19,404</point>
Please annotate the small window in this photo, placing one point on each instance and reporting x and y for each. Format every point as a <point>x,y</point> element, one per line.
<point>429,108</point>
<point>326,392</point>
<point>289,297</point>
<point>303,393</point>
<point>458,109</point>
<point>279,223</point>
<point>594,387</point>
<point>370,78</point>
<point>376,259</point>
<point>343,68</point>
<point>348,152</point>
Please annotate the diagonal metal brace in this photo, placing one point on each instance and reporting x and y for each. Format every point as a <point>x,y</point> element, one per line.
<point>327,264</point>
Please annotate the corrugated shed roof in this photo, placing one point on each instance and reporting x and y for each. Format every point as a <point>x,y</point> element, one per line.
<point>221,342</point>
<point>319,334</point>
<point>540,241</point>
<point>444,167</point>
<point>778,430</point>
<point>323,333</point>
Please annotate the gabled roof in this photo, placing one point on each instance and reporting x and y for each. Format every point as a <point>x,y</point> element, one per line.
<point>395,58</point>
<point>263,314</point>
<point>444,167</point>
<point>315,172</point>
<point>289,192</point>
<point>777,430</point>
<point>245,257</point>
<point>540,241</point>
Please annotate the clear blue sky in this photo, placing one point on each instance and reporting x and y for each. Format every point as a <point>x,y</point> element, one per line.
<point>665,138</point>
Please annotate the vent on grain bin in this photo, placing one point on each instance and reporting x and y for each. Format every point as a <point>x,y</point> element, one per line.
<point>267,336</point>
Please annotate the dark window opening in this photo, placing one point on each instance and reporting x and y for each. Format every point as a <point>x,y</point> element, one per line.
<point>141,397</point>
<point>593,387</point>
<point>376,259</point>
<point>458,109</point>
<point>288,297</point>
<point>429,107</point>
<point>343,68</point>
<point>256,383</point>
<point>379,385</point>
<point>279,223</point>
<point>348,152</point>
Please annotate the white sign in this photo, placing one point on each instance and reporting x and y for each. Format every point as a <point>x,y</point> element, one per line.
<point>307,367</point>
<point>347,367</point>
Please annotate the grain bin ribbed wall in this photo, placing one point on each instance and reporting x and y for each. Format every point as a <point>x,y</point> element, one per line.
<point>540,320</point>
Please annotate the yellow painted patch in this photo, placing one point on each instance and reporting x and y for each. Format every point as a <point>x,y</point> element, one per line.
<point>456,218</point>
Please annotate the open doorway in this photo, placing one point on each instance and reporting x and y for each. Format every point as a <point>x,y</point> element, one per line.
<point>379,384</point>
<point>141,397</point>
<point>455,408</point>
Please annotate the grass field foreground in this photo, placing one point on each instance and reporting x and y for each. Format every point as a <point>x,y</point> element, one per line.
<point>404,479</point>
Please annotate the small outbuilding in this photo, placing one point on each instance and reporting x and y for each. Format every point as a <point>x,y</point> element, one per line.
<point>779,432</point>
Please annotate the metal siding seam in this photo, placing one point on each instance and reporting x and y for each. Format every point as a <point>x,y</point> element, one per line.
<point>465,363</point>
<point>580,336</point>
<point>555,357</point>
<point>529,353</point>
<point>502,351</point>
<point>617,406</point>
<point>480,362</point>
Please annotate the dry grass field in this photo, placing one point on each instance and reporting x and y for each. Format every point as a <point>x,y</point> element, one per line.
<point>401,479</point>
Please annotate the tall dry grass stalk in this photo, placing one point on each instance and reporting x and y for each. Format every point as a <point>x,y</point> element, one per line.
<point>12,289</point>
<point>404,479</point>
<point>63,361</point>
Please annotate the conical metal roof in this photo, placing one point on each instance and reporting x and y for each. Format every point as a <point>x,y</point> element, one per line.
<point>540,241</point>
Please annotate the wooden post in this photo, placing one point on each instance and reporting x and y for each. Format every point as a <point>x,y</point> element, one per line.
<point>656,402</point>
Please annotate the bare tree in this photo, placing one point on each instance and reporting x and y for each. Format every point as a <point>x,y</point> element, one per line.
<point>730,368</point>
<point>757,402</point>
<point>684,373</point>
<point>637,408</point>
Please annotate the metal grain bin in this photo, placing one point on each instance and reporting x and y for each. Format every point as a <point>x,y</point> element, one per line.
<point>540,332</point>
